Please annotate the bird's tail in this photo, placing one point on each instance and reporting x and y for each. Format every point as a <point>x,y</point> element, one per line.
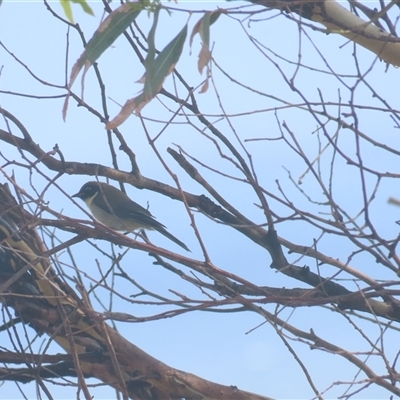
<point>173,238</point>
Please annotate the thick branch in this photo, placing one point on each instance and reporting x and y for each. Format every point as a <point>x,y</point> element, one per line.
<point>342,21</point>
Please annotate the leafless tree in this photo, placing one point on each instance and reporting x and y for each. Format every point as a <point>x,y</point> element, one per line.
<point>329,237</point>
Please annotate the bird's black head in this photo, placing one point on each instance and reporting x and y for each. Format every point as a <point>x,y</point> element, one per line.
<point>88,190</point>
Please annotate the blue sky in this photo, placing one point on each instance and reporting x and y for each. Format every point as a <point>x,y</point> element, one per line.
<point>224,348</point>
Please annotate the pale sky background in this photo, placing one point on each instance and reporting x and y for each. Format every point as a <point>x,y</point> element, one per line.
<point>224,348</point>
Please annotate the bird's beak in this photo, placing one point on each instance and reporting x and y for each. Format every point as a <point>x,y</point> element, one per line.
<point>77,194</point>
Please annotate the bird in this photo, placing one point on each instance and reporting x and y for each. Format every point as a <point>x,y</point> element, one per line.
<point>116,210</point>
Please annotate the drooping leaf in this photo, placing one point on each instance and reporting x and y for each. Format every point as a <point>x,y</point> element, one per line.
<point>66,5</point>
<point>151,52</point>
<point>202,27</point>
<point>164,64</point>
<point>205,86</point>
<point>109,30</point>
<point>156,71</point>
<point>132,105</point>
<point>85,6</point>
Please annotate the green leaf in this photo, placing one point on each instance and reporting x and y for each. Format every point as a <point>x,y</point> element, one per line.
<point>202,26</point>
<point>163,65</point>
<point>66,5</point>
<point>109,30</point>
<point>112,27</point>
<point>151,53</point>
<point>85,6</point>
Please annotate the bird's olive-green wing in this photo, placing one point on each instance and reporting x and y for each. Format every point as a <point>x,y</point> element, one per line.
<point>128,209</point>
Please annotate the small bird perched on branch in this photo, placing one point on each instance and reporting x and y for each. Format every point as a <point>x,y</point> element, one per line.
<point>116,210</point>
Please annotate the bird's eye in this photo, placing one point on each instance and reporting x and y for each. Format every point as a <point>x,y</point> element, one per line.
<point>88,189</point>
